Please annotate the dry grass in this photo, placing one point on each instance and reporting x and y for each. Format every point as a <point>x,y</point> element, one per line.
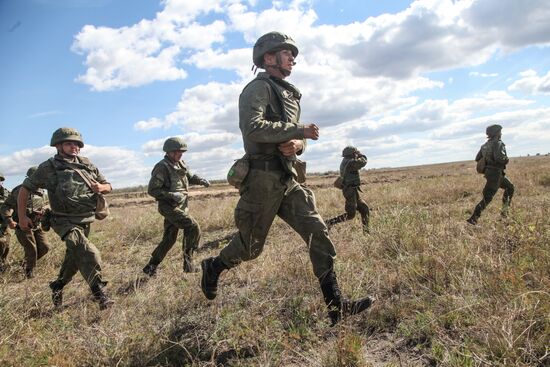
<point>448,293</point>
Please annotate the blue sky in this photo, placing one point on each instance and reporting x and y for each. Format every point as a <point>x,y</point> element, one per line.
<point>407,82</point>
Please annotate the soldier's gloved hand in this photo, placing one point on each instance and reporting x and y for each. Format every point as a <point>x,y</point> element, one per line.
<point>178,197</point>
<point>205,182</point>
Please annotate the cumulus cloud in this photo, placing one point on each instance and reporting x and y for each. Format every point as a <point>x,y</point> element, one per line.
<point>531,83</point>
<point>203,142</point>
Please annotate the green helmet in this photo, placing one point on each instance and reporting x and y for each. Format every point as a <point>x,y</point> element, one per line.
<point>175,143</point>
<point>66,134</point>
<point>272,42</point>
<point>31,170</point>
<point>493,130</point>
<point>349,151</point>
<point>2,178</point>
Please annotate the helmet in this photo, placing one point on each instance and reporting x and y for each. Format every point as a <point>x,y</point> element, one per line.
<point>31,170</point>
<point>493,130</point>
<point>2,178</point>
<point>271,42</point>
<point>66,134</point>
<point>349,151</point>
<point>174,143</point>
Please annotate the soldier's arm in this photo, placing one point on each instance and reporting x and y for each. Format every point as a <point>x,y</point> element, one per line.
<point>357,163</point>
<point>252,110</point>
<point>500,153</point>
<point>25,223</point>
<point>157,187</point>
<point>479,155</point>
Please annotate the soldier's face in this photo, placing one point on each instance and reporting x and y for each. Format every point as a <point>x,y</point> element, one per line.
<point>70,148</point>
<point>175,155</point>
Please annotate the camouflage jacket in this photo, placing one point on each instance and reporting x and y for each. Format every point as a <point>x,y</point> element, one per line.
<point>349,170</point>
<point>168,177</point>
<point>494,152</point>
<point>269,114</point>
<point>36,204</point>
<point>68,193</point>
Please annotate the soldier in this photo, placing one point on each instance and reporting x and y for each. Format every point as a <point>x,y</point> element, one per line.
<point>34,242</point>
<point>353,161</point>
<point>269,114</point>
<point>73,184</point>
<point>4,233</point>
<point>169,185</point>
<point>494,154</point>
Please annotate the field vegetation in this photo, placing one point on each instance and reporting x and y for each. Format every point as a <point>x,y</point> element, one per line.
<point>448,293</point>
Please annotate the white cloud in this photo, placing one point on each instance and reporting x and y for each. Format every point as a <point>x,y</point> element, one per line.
<point>483,75</point>
<point>531,83</point>
<point>195,142</point>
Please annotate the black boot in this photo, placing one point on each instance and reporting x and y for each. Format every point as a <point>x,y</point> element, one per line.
<point>211,270</point>
<point>150,269</point>
<point>338,307</point>
<point>473,219</point>
<point>365,223</point>
<point>188,261</point>
<point>57,292</point>
<point>100,296</point>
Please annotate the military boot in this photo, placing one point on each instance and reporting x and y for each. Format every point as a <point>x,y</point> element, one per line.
<point>29,274</point>
<point>57,292</point>
<point>211,270</point>
<point>100,297</point>
<point>338,307</point>
<point>505,208</point>
<point>188,261</point>
<point>473,219</point>
<point>150,269</point>
<point>335,220</point>
<point>365,224</point>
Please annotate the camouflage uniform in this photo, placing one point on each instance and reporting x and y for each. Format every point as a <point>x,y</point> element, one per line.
<point>35,244</point>
<point>349,171</point>
<point>4,232</point>
<point>494,152</point>
<point>269,114</point>
<point>73,211</point>
<point>169,178</point>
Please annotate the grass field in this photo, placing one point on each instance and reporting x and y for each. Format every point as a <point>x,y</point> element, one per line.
<point>449,294</point>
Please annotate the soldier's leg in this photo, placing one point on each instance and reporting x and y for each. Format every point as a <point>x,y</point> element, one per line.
<point>86,256</point>
<point>168,239</point>
<point>42,245</point>
<point>27,241</point>
<point>364,210</point>
<point>191,236</point>
<point>507,195</point>
<point>493,178</point>
<point>300,212</point>
<point>350,193</point>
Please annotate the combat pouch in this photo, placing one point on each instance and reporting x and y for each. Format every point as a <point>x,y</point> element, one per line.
<point>300,167</point>
<point>480,165</point>
<point>102,208</point>
<point>238,171</point>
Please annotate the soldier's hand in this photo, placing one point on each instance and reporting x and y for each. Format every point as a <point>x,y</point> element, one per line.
<point>291,147</point>
<point>311,131</point>
<point>25,223</point>
<point>205,182</point>
<point>12,224</point>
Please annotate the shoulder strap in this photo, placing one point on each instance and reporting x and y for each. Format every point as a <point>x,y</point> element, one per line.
<point>277,92</point>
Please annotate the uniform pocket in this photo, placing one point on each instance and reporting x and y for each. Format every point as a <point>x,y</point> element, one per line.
<point>247,215</point>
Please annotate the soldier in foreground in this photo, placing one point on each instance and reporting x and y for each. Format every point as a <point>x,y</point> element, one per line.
<point>4,233</point>
<point>73,184</point>
<point>169,185</point>
<point>353,160</point>
<point>269,114</point>
<point>494,154</point>
<point>34,242</point>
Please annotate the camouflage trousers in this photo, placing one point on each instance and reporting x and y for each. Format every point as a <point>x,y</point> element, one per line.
<point>495,179</point>
<point>4,246</point>
<point>264,195</point>
<point>35,245</point>
<point>174,220</point>
<point>81,255</point>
